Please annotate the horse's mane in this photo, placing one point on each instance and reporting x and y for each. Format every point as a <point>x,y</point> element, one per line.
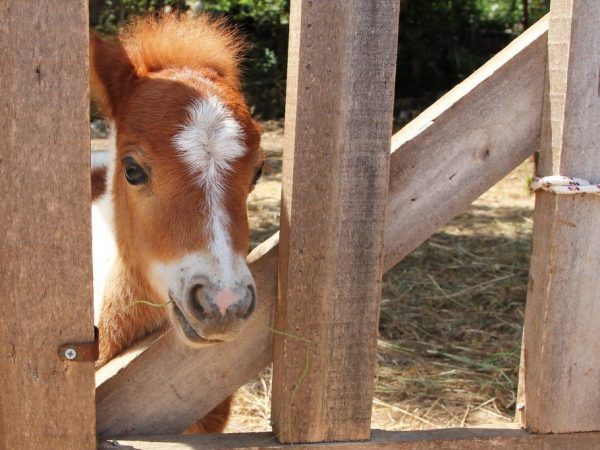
<point>181,41</point>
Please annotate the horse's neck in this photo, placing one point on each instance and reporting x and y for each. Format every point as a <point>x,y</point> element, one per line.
<point>117,285</point>
<point>104,253</point>
<point>104,250</point>
<point>124,319</point>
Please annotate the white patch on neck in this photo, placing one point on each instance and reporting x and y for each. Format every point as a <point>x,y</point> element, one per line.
<point>104,248</point>
<point>209,143</point>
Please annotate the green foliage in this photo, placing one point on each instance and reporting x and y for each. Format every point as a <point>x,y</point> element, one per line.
<point>265,24</point>
<point>106,15</point>
<point>441,42</point>
<point>259,12</point>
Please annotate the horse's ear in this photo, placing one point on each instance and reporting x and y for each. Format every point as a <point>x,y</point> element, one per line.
<point>111,72</point>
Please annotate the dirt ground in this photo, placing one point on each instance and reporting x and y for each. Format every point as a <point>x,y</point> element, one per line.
<point>451,312</point>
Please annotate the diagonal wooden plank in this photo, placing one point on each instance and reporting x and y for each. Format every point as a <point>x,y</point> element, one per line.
<point>465,143</point>
<point>156,392</point>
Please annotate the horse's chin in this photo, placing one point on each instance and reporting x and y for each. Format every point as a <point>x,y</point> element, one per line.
<point>192,336</point>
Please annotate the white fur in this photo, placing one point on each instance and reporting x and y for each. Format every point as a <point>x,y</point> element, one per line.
<point>104,248</point>
<point>209,143</point>
<point>171,277</point>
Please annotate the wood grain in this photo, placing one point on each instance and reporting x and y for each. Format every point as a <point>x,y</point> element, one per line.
<point>120,399</point>
<point>45,235</point>
<point>448,439</point>
<point>562,320</point>
<point>335,168</point>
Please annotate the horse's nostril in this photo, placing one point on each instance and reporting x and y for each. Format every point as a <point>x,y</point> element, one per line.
<point>250,300</point>
<point>206,302</point>
<point>197,298</point>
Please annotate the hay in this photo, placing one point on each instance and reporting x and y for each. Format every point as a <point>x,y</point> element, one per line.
<point>452,314</point>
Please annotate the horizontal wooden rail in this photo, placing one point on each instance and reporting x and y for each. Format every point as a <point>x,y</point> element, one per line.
<point>442,161</point>
<point>454,438</point>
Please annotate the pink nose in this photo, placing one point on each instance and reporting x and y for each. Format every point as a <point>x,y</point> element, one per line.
<point>224,299</point>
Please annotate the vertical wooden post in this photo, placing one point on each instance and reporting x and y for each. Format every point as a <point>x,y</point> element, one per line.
<point>562,321</point>
<point>45,239</point>
<point>341,72</point>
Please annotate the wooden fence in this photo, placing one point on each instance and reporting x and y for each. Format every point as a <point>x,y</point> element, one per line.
<point>319,281</point>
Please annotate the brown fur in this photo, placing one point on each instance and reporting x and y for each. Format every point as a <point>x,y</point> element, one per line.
<point>215,421</point>
<point>201,43</point>
<point>98,183</point>
<point>143,82</point>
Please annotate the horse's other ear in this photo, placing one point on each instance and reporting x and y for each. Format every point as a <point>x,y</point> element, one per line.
<point>111,72</point>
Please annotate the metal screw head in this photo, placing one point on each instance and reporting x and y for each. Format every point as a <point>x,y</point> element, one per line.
<point>520,406</point>
<point>70,353</point>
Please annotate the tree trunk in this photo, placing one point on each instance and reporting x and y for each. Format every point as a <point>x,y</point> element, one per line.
<point>95,10</point>
<point>525,14</point>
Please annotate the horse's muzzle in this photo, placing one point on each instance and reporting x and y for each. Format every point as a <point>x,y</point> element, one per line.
<point>207,301</point>
<point>209,312</point>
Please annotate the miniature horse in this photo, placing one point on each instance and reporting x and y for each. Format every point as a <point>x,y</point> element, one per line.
<point>171,196</point>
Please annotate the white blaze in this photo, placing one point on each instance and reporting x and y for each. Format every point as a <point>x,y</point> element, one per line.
<point>208,144</point>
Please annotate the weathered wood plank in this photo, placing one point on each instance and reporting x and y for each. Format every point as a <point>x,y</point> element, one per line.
<point>119,407</point>
<point>341,72</point>
<point>45,237</point>
<point>448,439</point>
<point>562,321</point>
<point>465,143</point>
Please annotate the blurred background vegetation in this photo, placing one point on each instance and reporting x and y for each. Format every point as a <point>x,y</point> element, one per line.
<point>441,42</point>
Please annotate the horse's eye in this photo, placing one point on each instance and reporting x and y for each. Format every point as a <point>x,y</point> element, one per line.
<point>257,175</point>
<point>134,173</point>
